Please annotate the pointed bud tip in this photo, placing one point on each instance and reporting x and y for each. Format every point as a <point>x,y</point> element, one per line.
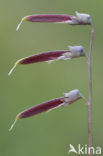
<point>10,72</point>
<point>17,117</point>
<point>18,26</point>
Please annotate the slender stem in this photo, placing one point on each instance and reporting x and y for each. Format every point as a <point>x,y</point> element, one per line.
<point>90,135</point>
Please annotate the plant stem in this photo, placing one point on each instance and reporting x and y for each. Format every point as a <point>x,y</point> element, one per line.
<point>90,135</point>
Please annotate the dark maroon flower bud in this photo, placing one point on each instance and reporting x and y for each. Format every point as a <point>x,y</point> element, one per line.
<point>79,19</point>
<point>48,18</point>
<point>73,52</point>
<point>44,56</point>
<point>68,98</point>
<point>41,108</point>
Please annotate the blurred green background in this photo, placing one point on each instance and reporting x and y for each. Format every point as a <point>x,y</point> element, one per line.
<point>50,133</point>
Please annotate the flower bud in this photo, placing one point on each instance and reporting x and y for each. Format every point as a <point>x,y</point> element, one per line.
<point>49,56</point>
<point>68,98</point>
<point>79,19</point>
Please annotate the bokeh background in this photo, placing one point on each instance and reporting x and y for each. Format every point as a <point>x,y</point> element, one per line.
<point>50,133</point>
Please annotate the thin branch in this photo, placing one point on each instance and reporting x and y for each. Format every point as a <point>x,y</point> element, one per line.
<point>90,135</point>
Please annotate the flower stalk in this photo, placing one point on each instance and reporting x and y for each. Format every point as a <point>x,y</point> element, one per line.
<point>90,133</point>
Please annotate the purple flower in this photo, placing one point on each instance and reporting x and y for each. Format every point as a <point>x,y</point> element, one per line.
<point>79,19</point>
<point>68,98</point>
<point>73,52</point>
